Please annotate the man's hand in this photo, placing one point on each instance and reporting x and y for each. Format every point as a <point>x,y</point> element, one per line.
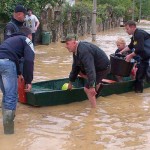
<point>20,77</point>
<point>130,56</point>
<point>28,87</point>
<point>124,50</point>
<point>70,86</point>
<point>120,52</point>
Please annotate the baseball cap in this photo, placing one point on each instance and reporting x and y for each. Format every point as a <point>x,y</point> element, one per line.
<point>20,8</point>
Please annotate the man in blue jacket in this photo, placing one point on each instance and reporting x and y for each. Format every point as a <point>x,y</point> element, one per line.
<point>92,62</point>
<point>140,41</point>
<point>11,50</point>
<point>14,25</point>
<point>16,22</point>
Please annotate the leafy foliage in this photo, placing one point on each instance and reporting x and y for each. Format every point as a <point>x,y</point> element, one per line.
<point>7,6</point>
<point>119,7</point>
<point>119,11</point>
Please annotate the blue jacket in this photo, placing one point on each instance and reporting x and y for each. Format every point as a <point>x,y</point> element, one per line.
<point>16,47</point>
<point>140,41</point>
<point>12,27</point>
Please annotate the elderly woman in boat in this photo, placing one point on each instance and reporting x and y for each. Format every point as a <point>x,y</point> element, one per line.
<point>92,62</point>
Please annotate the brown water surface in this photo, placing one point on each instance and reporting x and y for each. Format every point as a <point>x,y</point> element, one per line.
<point>120,122</point>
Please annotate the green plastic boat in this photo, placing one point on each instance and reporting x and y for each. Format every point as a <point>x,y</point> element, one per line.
<point>49,93</point>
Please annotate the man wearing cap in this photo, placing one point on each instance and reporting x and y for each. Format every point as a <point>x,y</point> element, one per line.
<point>11,50</point>
<point>16,21</point>
<point>92,62</point>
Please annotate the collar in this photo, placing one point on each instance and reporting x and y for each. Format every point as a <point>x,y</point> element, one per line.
<point>76,48</point>
<point>136,30</point>
<point>18,23</point>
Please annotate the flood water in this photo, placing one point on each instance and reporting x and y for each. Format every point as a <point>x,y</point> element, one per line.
<point>120,122</point>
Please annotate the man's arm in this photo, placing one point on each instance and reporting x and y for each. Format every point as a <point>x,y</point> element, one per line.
<point>75,70</point>
<point>89,66</point>
<point>130,56</point>
<point>37,23</point>
<point>28,61</point>
<point>124,50</point>
<point>139,43</point>
<point>8,31</point>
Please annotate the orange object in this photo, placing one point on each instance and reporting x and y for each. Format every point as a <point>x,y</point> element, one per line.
<point>134,70</point>
<point>21,91</point>
<point>108,81</point>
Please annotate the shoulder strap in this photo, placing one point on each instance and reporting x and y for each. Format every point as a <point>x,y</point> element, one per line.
<point>15,26</point>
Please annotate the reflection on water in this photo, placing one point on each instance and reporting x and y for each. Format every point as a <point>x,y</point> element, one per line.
<point>120,122</point>
<point>49,129</point>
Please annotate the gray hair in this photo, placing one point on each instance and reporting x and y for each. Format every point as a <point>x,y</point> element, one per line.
<point>71,37</point>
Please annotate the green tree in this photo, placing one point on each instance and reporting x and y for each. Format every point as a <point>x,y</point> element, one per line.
<point>145,11</point>
<point>7,6</point>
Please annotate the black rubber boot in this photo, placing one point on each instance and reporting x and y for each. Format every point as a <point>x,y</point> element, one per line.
<point>8,121</point>
<point>138,87</point>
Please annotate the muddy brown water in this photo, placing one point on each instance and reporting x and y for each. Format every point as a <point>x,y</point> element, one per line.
<point>120,122</point>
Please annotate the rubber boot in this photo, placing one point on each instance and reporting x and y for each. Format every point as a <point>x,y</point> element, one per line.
<point>8,121</point>
<point>138,88</point>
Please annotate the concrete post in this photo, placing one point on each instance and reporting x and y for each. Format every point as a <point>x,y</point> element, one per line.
<point>94,20</point>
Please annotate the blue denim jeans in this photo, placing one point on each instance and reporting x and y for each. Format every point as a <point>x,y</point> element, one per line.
<point>8,84</point>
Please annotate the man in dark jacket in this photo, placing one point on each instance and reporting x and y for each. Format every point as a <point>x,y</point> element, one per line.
<point>91,61</point>
<point>11,50</point>
<point>14,25</point>
<point>140,41</point>
<point>16,21</point>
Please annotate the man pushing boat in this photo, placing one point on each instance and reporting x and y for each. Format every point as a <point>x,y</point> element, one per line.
<point>19,45</point>
<point>92,62</point>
